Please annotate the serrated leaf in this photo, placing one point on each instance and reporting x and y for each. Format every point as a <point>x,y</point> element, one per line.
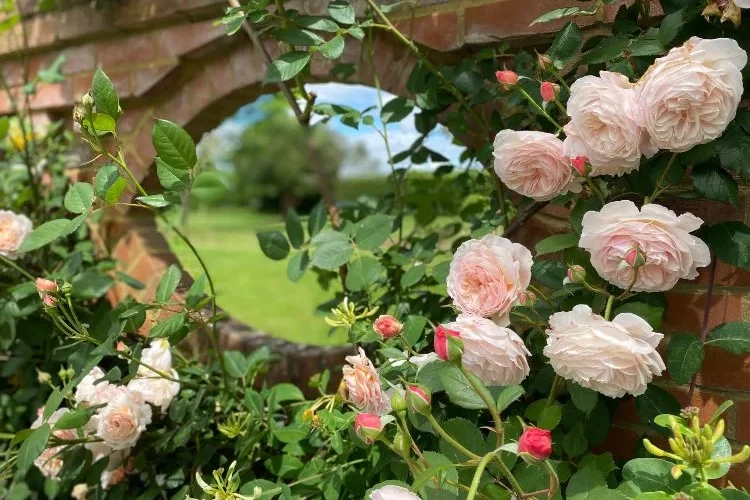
<point>714,183</point>
<point>79,198</point>
<point>294,230</point>
<point>173,145</point>
<point>173,179</point>
<point>730,241</point>
<point>684,357</point>
<point>317,219</point>
<point>317,23</point>
<point>332,255</point>
<point>508,395</point>
<point>105,179</point>
<point>47,233</point>
<point>154,200</point>
<point>608,49</point>
<point>363,273</point>
<point>372,231</point>
<point>556,242</point>
<point>566,45</point>
<point>733,337</point>
<point>557,14</point>
<point>287,66</point>
<point>412,276</point>
<point>104,95</point>
<point>734,150</point>
<point>168,283</point>
<point>236,364</point>
<point>654,402</point>
<point>297,36</point>
<point>458,388</point>
<point>584,399</point>
<point>75,419</point>
<point>195,293</point>
<point>273,244</point>
<point>169,327</point>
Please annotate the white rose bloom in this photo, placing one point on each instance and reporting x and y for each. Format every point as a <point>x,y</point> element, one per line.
<point>156,390</point>
<point>604,124</point>
<point>611,357</point>
<point>121,422</point>
<point>392,492</point>
<point>50,462</point>
<point>158,355</point>
<point>689,96</point>
<point>116,471</point>
<point>14,228</point>
<point>91,393</point>
<point>79,491</point>
<point>496,355</point>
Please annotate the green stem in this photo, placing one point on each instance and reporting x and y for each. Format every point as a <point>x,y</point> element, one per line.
<point>538,107</point>
<point>595,189</point>
<point>560,79</point>
<point>608,310</point>
<point>449,438</point>
<point>658,188</point>
<point>478,475</point>
<point>556,385</point>
<point>490,406</point>
<point>15,266</point>
<point>509,476</point>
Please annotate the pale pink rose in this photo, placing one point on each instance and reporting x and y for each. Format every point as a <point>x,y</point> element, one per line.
<point>157,355</point>
<point>80,491</point>
<point>604,124</point>
<point>533,164</point>
<point>671,253</point>
<point>363,385</point>
<point>488,275</point>
<point>122,421</point>
<point>393,492</point>
<point>90,392</point>
<point>156,390</point>
<point>50,462</point>
<point>689,96</point>
<point>495,354</point>
<point>614,358</point>
<point>14,228</point>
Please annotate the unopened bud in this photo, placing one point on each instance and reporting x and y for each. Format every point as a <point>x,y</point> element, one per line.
<point>43,377</point>
<point>418,398</point>
<point>506,77</point>
<point>689,412</point>
<point>121,347</point>
<point>527,299</point>
<point>544,61</point>
<point>740,457</point>
<point>635,258</point>
<point>402,443</point>
<point>677,471</point>
<point>87,102</point>
<point>653,449</point>
<point>581,165</point>
<point>398,402</point>
<point>441,341</point>
<point>368,427</point>
<point>455,349</point>
<point>549,91</point>
<point>387,326</point>
<point>576,274</point>
<point>45,288</point>
<point>66,289</point>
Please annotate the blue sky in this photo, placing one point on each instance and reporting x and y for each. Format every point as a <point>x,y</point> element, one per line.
<point>400,135</point>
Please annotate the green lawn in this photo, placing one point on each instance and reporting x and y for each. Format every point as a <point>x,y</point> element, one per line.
<point>249,286</point>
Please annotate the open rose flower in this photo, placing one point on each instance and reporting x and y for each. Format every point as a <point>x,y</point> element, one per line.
<point>393,492</point>
<point>92,390</point>
<point>156,390</point>
<point>157,355</point>
<point>363,385</point>
<point>689,96</point>
<point>122,421</point>
<point>488,275</point>
<point>614,358</point>
<point>663,239</point>
<point>50,462</point>
<point>14,228</point>
<point>533,164</point>
<point>604,124</point>
<point>495,354</point>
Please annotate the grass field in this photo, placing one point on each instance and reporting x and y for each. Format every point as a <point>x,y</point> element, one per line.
<point>249,286</point>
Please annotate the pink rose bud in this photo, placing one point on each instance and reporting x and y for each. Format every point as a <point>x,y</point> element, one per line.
<point>368,427</point>
<point>121,347</point>
<point>44,288</point>
<point>387,326</point>
<point>506,77</point>
<point>49,301</point>
<point>418,398</point>
<point>536,442</point>
<point>527,299</point>
<point>635,258</point>
<point>441,341</point>
<point>549,92</point>
<point>580,164</point>
<point>576,274</point>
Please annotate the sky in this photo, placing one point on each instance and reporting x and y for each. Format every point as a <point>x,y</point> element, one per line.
<point>400,135</point>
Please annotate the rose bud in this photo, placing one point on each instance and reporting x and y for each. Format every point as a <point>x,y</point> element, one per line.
<point>387,326</point>
<point>549,91</point>
<point>536,442</point>
<point>634,258</point>
<point>581,165</point>
<point>441,341</point>
<point>44,288</point>
<point>398,403</point>
<point>506,77</point>
<point>43,377</point>
<point>368,427</point>
<point>576,274</point>
<point>527,299</point>
<point>544,61</point>
<point>418,399</point>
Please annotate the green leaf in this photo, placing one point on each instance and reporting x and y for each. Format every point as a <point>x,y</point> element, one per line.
<point>91,284</point>
<point>670,26</point>
<point>732,494</point>
<point>458,388</point>
<point>654,402</point>
<point>684,357</point>
<point>317,23</point>
<point>317,219</point>
<point>75,419</point>
<point>396,110</point>
<point>466,433</point>
<point>46,234</point>
<point>104,95</point>
<point>292,433</point>
<point>556,242</point>
<point>31,448</point>
<point>332,255</point>
<point>115,191</point>
<point>273,244</point>
<point>557,14</point>
<point>508,395</point>
<point>734,150</point>
<point>647,44</point>
<point>298,265</point>
<point>173,179</point>
<point>550,417</point>
<point>209,187</point>
<point>413,329</point>
<point>566,45</point>
<point>105,179</point>
<point>721,450</point>
<point>294,230</point>
<point>333,48</point>
<point>154,200</point>
<point>608,49</point>
<point>574,442</point>
<point>702,491</point>
<point>168,283</point>
<point>281,393</point>
<point>733,337</point>
<point>730,241</point>
<point>372,231</point>
<point>169,326</point>
<point>584,399</point>
<point>195,293</point>
<point>715,183</point>
<point>652,312</point>
<point>653,474</point>
<point>341,11</point>
<point>412,276</point>
<point>173,145</point>
<point>4,126</point>
<point>287,66</point>
<point>79,198</point>
<point>549,273</point>
<point>296,36</point>
<point>236,364</point>
<point>103,123</point>
<point>363,273</point>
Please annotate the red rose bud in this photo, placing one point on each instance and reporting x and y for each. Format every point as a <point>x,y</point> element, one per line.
<point>581,165</point>
<point>536,442</point>
<point>506,77</point>
<point>368,427</point>
<point>635,258</point>
<point>549,91</point>
<point>441,341</point>
<point>576,274</point>
<point>387,326</point>
<point>418,399</point>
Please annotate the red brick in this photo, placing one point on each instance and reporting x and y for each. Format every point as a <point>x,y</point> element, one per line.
<point>743,421</point>
<point>52,95</point>
<point>726,275</point>
<point>724,370</point>
<point>120,52</point>
<point>436,31</point>
<point>183,39</point>
<point>706,401</point>
<point>81,84</point>
<point>685,310</point>
<point>739,476</point>
<point>147,78</point>
<point>621,441</point>
<point>80,58</point>
<point>122,80</point>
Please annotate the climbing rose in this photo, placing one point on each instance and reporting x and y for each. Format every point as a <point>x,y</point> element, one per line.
<point>14,228</point>
<point>536,442</point>
<point>363,385</point>
<point>387,326</point>
<point>604,125</point>
<point>155,389</point>
<point>611,357</point>
<point>533,164</point>
<point>392,492</point>
<point>495,354</point>
<point>671,253</point>
<point>50,461</point>
<point>579,164</point>
<point>689,96</point>
<point>368,427</point>
<point>487,276</point>
<point>158,355</point>
<point>91,393</point>
<point>121,422</point>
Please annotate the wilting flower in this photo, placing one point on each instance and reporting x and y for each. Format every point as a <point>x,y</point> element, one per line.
<point>368,427</point>
<point>495,354</point>
<point>689,96</point>
<point>50,462</point>
<point>393,492</point>
<point>604,124</point>
<point>662,238</point>
<point>363,385</point>
<point>611,357</point>
<point>533,164</point>
<point>122,421</point>
<point>14,228</point>
<point>536,442</point>
<point>487,276</point>
<point>387,326</point>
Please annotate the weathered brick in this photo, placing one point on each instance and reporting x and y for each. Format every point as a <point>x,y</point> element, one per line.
<point>126,51</point>
<point>743,421</point>
<point>80,58</point>
<point>685,310</point>
<point>439,31</point>
<point>179,40</point>
<point>722,369</point>
<point>147,78</point>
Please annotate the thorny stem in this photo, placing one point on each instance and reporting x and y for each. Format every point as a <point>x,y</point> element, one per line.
<point>490,406</point>
<point>449,439</point>
<point>478,475</point>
